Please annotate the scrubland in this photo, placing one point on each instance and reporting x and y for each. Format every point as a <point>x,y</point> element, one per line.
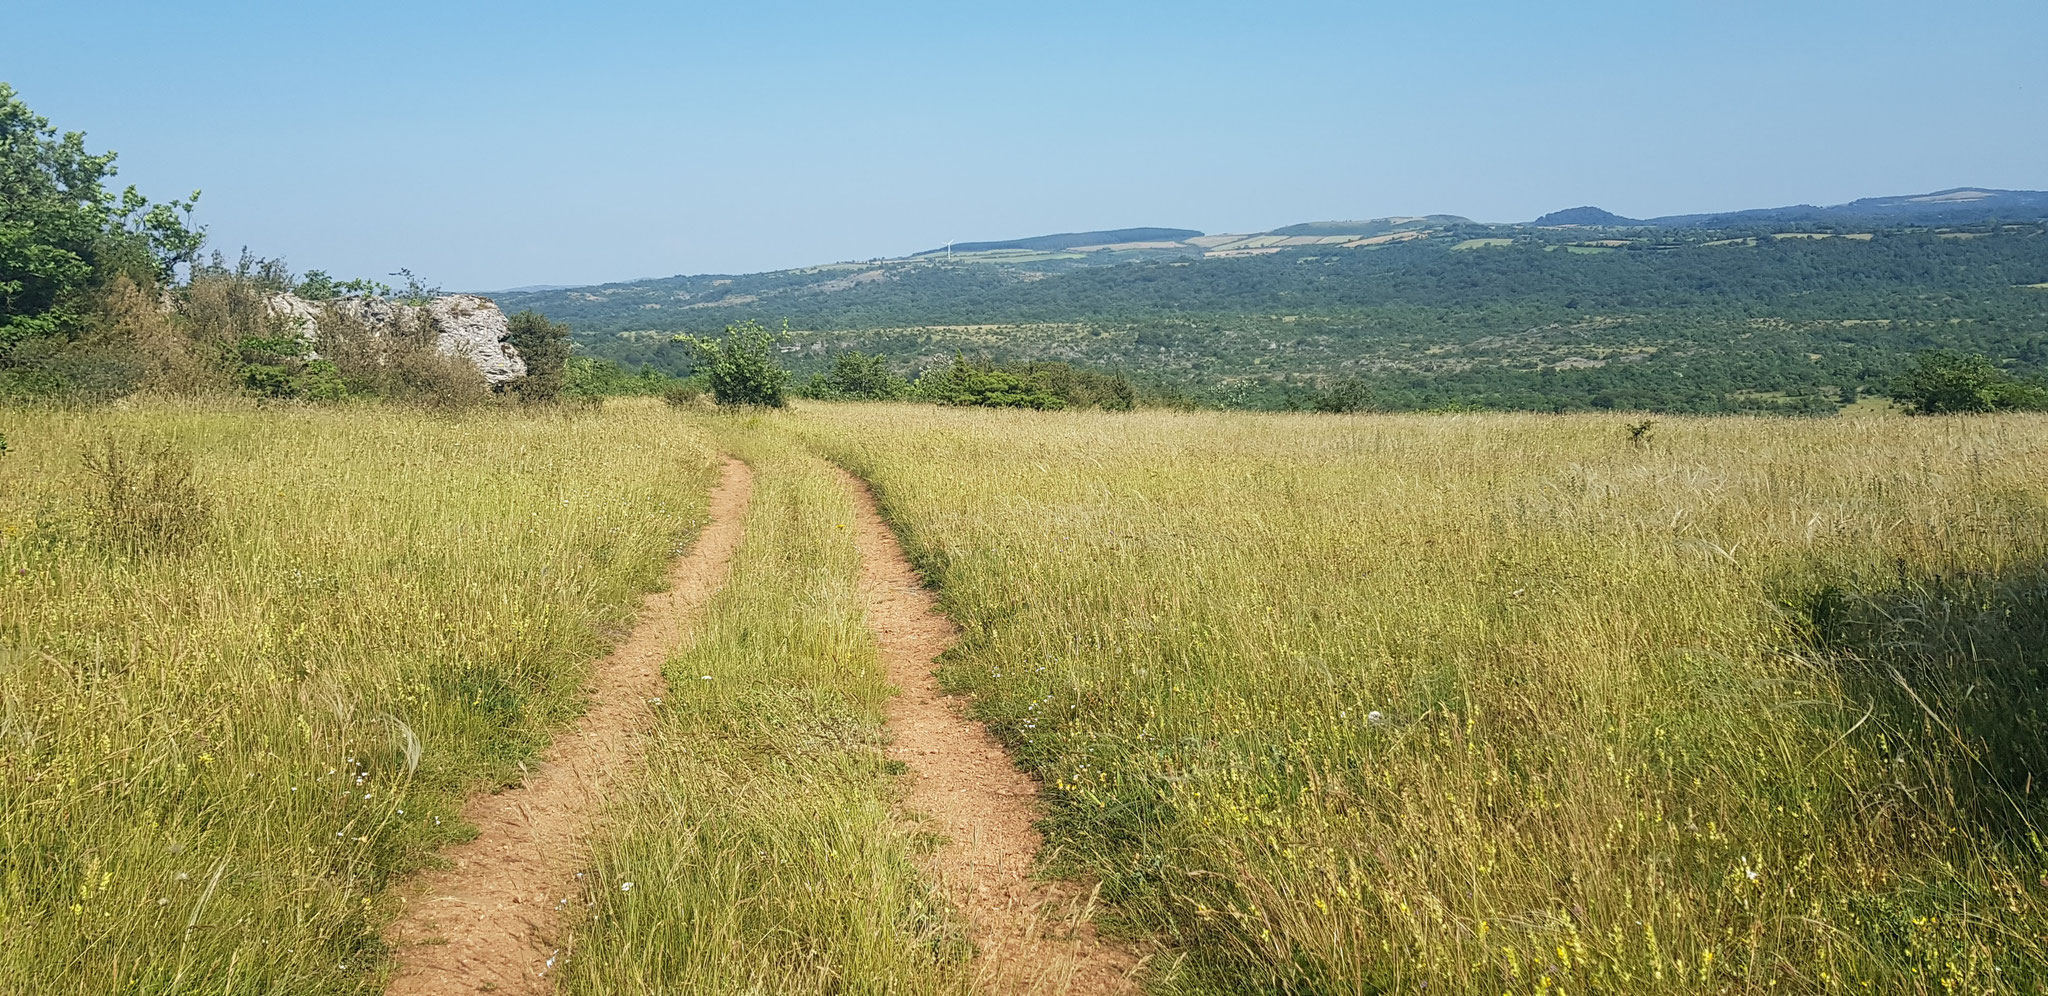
<point>1492,704</point>
<point>248,671</point>
<point>1446,704</point>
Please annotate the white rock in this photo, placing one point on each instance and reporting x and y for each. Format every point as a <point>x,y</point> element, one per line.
<point>465,325</point>
<point>473,328</point>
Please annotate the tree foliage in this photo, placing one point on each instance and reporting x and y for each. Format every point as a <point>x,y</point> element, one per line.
<point>1703,322</point>
<point>544,347</point>
<point>740,366</point>
<point>986,385</point>
<point>1946,383</point>
<point>64,235</point>
<point>857,376</point>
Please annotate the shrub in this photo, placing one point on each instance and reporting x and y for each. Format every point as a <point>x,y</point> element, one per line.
<point>740,367</point>
<point>593,377</point>
<point>1083,388</point>
<point>544,347</point>
<point>168,360</point>
<point>405,365</point>
<point>319,285</point>
<point>143,497</point>
<point>985,385</point>
<point>682,394</point>
<point>222,334</point>
<point>429,378</point>
<point>857,376</point>
<point>1343,396</point>
<point>1945,383</point>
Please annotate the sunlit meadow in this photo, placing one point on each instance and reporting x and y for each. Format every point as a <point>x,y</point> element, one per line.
<point>1511,704</point>
<point>1452,704</point>
<point>763,851</point>
<point>215,754</point>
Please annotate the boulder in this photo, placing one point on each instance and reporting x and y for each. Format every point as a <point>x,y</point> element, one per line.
<point>465,325</point>
<point>472,327</point>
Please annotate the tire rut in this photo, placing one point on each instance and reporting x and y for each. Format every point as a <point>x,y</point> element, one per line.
<point>1034,936</point>
<point>493,920</point>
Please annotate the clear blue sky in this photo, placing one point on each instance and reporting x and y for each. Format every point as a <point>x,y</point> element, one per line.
<point>488,145</point>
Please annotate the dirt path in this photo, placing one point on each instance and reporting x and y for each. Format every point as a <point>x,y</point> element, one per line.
<point>491,921</point>
<point>1034,936</point>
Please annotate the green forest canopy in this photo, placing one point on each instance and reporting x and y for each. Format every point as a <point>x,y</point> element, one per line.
<point>1703,322</point>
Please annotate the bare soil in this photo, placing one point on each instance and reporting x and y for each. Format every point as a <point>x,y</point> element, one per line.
<point>1034,936</point>
<point>492,920</point>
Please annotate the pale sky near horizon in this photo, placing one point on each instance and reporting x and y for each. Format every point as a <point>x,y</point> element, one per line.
<point>487,146</point>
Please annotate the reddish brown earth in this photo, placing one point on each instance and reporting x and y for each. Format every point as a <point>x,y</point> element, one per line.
<point>492,920</point>
<point>1034,936</point>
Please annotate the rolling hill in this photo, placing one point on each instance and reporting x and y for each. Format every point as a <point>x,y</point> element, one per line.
<point>1799,309</point>
<point>1956,206</point>
<point>1069,240</point>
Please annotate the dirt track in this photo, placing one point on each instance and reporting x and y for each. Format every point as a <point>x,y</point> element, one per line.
<point>1034,936</point>
<point>491,922</point>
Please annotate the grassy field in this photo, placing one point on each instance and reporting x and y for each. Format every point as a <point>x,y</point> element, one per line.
<point>1512,704</point>
<point>1453,704</point>
<point>763,854</point>
<point>216,753</point>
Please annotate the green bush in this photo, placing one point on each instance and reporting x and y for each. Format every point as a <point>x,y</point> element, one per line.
<point>591,377</point>
<point>1342,396</point>
<point>544,347</point>
<point>319,285</point>
<point>740,366</point>
<point>857,376</point>
<point>985,385</point>
<point>1945,383</point>
<point>1082,388</point>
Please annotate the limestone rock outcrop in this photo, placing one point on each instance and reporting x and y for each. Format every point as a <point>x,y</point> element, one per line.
<point>465,325</point>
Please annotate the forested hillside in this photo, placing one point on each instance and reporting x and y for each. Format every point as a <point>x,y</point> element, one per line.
<point>1501,317</point>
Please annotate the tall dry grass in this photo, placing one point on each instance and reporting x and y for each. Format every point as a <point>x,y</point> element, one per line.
<point>1489,704</point>
<point>216,754</point>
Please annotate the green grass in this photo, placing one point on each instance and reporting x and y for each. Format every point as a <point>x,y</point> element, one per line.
<point>763,851</point>
<point>1507,703</point>
<point>1461,704</point>
<point>1482,244</point>
<point>214,760</point>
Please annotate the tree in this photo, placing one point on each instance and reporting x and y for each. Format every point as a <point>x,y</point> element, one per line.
<point>1348,394</point>
<point>740,367</point>
<point>987,386</point>
<point>544,347</point>
<point>1945,383</point>
<point>63,235</point>
<point>857,376</point>
<point>319,285</point>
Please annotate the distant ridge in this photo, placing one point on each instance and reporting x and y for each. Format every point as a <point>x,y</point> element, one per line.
<point>530,289</point>
<point>1966,206</point>
<point>1954,206</point>
<point>1068,240</point>
<point>1372,226</point>
<point>1587,215</point>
